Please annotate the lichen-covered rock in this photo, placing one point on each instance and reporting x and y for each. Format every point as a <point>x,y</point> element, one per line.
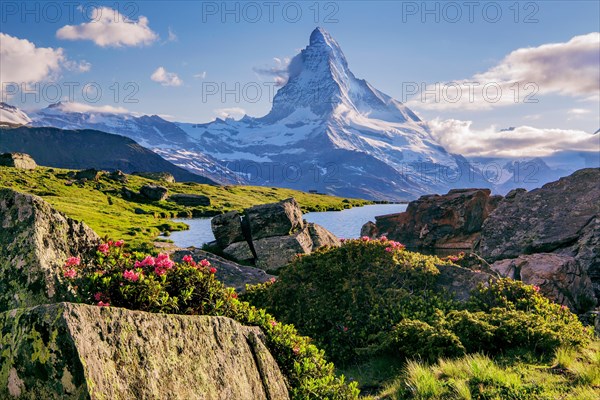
<point>35,241</point>
<point>154,192</point>
<point>118,176</point>
<point>274,219</point>
<point>190,200</point>
<point>275,252</point>
<point>240,251</point>
<point>17,160</point>
<point>460,281</point>
<point>453,220</point>
<point>230,273</point>
<point>321,237</point>
<point>76,351</point>
<point>559,277</point>
<point>227,228</point>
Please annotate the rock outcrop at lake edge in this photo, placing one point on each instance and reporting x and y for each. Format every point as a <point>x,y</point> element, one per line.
<point>35,240</point>
<point>269,235</point>
<point>450,221</point>
<point>74,351</point>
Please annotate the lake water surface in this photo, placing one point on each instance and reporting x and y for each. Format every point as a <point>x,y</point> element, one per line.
<point>343,224</point>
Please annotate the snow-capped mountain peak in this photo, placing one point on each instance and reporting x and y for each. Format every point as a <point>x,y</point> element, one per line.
<point>12,116</point>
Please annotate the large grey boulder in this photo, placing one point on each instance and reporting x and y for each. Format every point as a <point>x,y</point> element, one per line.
<point>321,237</point>
<point>274,219</point>
<point>227,228</point>
<point>275,252</point>
<point>17,160</point>
<point>270,235</point>
<point>156,176</point>
<point>75,351</point>
<point>35,241</point>
<point>561,218</point>
<point>240,251</point>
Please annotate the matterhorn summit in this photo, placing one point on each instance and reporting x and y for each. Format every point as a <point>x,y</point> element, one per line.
<point>332,132</point>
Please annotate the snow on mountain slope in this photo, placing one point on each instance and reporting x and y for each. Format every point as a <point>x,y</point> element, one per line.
<point>12,116</point>
<point>163,137</point>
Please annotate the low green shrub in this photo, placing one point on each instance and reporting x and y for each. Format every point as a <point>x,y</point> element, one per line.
<point>115,277</point>
<point>373,297</point>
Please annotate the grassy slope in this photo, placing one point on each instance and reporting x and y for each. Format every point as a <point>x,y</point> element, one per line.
<point>108,213</point>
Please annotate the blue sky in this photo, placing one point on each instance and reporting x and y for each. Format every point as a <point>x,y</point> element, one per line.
<point>388,43</point>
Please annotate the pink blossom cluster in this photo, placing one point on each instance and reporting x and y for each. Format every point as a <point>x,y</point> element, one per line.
<point>70,272</point>
<point>104,248</point>
<point>131,275</point>
<point>392,245</point>
<point>162,264</point>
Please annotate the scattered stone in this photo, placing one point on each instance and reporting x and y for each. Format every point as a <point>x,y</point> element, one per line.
<point>72,351</point>
<point>451,221</point>
<point>128,194</point>
<point>227,228</point>
<point>154,192</point>
<point>35,241</point>
<point>275,219</point>
<point>17,160</point>
<point>90,174</point>
<point>157,176</point>
<point>190,200</point>
<point>118,176</point>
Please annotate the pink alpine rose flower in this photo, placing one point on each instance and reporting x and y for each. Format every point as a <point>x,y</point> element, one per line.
<point>213,270</point>
<point>72,261</point>
<point>70,273</point>
<point>188,259</point>
<point>103,304</point>
<point>104,248</point>
<point>131,276</point>
<point>119,243</point>
<point>205,263</point>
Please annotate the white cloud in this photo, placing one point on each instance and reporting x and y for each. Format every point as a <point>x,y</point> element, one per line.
<point>570,68</point>
<point>23,63</point>
<point>279,72</point>
<point>201,75</point>
<point>109,28</point>
<point>87,108</point>
<point>233,112</point>
<point>523,141</point>
<point>166,78</point>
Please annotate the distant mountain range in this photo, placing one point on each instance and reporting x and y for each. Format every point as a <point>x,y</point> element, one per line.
<point>82,149</point>
<point>327,131</point>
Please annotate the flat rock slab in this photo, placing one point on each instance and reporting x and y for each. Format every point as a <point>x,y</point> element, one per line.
<point>230,273</point>
<point>76,351</point>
